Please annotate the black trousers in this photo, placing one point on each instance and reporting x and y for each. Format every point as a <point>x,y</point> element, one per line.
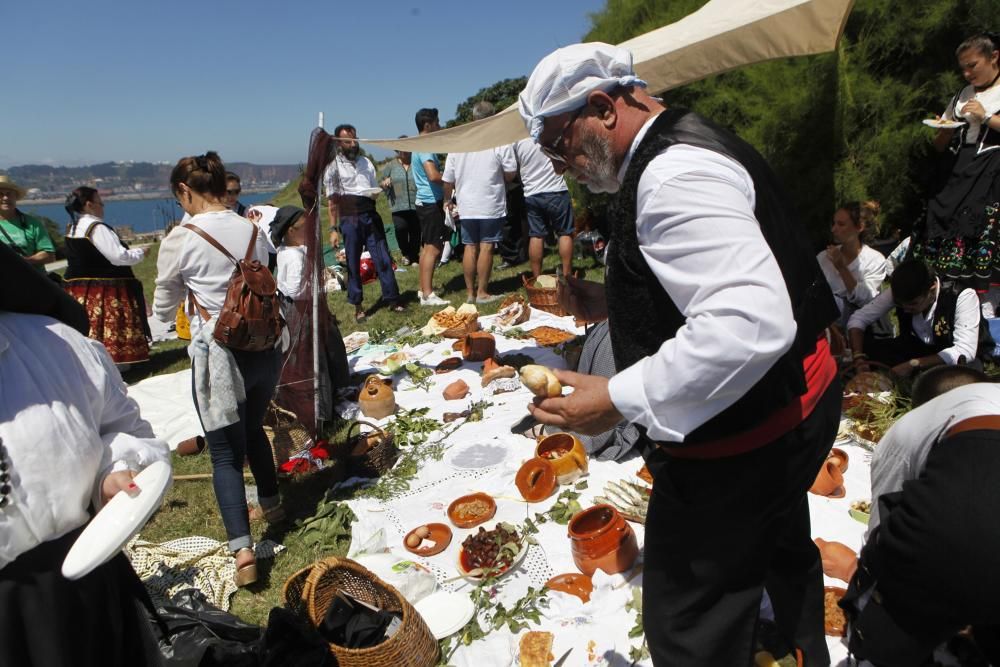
<point>513,246</point>
<point>719,531</point>
<point>47,620</point>
<point>407,228</point>
<point>934,558</point>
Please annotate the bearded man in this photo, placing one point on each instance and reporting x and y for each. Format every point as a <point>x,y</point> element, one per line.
<point>717,310</point>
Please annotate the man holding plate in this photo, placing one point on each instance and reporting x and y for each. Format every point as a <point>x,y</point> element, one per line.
<point>717,310</point>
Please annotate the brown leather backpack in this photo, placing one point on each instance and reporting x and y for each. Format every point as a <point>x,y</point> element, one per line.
<point>250,319</point>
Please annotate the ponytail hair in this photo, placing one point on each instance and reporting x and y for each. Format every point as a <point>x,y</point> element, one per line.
<point>75,203</point>
<point>985,42</point>
<point>205,174</point>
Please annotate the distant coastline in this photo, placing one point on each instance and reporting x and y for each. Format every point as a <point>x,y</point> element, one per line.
<point>131,196</point>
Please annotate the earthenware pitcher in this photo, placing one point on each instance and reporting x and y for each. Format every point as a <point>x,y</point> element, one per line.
<point>376,397</point>
<point>565,453</point>
<point>601,539</point>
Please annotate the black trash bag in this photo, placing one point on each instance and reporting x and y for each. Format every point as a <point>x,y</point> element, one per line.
<point>290,640</point>
<point>202,635</point>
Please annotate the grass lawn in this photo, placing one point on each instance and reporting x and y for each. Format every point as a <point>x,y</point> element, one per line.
<point>190,507</point>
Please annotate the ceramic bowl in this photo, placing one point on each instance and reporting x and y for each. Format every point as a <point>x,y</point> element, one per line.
<point>566,455</point>
<point>466,519</point>
<point>440,535</point>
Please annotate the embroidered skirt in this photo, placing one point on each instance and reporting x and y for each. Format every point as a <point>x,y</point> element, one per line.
<point>116,309</point>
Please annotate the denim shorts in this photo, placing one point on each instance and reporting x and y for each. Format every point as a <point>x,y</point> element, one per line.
<point>481,230</point>
<point>549,210</point>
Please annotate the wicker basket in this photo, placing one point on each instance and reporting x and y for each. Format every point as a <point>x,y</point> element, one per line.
<point>371,454</point>
<point>285,433</point>
<point>543,298</point>
<point>461,331</point>
<point>525,312</point>
<point>310,591</point>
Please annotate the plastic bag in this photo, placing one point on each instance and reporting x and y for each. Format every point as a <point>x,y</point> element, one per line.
<point>201,634</point>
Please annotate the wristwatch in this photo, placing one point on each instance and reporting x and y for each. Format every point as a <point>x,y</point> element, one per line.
<point>915,363</point>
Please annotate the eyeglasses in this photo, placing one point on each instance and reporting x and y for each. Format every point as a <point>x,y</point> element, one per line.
<point>553,151</point>
<point>234,192</point>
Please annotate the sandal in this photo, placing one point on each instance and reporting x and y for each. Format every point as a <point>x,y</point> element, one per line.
<point>246,574</point>
<point>360,316</point>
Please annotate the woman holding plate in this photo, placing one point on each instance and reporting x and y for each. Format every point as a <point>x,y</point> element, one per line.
<point>960,232</point>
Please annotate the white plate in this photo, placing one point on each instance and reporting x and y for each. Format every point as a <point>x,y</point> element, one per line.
<point>445,613</point>
<point>942,125</point>
<point>479,455</point>
<point>117,522</point>
<point>513,565</point>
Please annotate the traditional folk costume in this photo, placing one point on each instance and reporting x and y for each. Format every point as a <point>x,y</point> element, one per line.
<point>960,233</point>
<point>66,422</point>
<point>99,276</point>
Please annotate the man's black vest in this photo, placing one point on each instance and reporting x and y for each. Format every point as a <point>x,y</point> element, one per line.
<point>641,313</point>
<point>944,324</point>
<point>84,260</point>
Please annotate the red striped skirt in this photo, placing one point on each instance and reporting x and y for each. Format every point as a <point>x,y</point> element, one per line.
<point>116,309</point>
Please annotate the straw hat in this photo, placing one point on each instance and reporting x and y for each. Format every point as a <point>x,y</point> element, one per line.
<point>7,184</point>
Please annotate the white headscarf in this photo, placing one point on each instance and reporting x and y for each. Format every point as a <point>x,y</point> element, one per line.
<point>564,78</point>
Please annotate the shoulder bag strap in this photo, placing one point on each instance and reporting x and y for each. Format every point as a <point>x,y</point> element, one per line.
<point>10,241</point>
<point>218,246</point>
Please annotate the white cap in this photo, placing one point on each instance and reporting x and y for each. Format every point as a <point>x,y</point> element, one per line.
<point>563,79</point>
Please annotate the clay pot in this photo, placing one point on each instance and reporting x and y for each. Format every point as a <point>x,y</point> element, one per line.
<point>573,583</point>
<point>601,539</point>
<point>571,462</point>
<point>376,397</point>
<point>840,456</point>
<point>830,481</point>
<point>456,390</point>
<point>535,480</point>
<point>479,346</point>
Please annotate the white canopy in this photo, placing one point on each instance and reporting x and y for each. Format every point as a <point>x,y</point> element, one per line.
<point>721,36</point>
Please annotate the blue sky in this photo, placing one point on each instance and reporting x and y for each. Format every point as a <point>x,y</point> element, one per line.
<point>158,79</point>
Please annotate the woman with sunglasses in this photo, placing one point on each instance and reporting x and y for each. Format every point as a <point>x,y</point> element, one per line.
<point>189,267</point>
<point>99,276</point>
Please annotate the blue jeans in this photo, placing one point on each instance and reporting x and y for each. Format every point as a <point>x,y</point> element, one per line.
<point>245,440</point>
<point>365,230</point>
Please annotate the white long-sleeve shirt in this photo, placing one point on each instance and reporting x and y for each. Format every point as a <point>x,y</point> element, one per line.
<point>189,262</point>
<point>869,269</point>
<point>66,421</point>
<point>965,338</point>
<point>698,234</point>
<point>105,240</point>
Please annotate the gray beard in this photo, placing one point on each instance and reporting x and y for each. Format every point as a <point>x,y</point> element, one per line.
<point>602,176</point>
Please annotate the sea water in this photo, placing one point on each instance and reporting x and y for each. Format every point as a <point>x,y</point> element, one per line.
<point>143,215</point>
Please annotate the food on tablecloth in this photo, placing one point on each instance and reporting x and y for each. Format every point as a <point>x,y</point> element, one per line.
<point>472,510</point>
<point>355,341</point>
<point>447,365</point>
<point>860,407</point>
<point>546,281</point>
<point>536,480</point>
<point>513,310</point>
<point>869,382</point>
<point>456,390</point>
<point>629,498</point>
<point>549,336</point>
<point>449,417</point>
<point>479,346</point>
<point>645,475</point>
<point>492,370</point>
<point>428,540</point>
<point>491,550</point>
<point>541,381</point>
<point>535,649</point>
<point>862,506</point>
<point>391,364</point>
<point>834,620</point>
<point>572,583</point>
<point>869,432</point>
<point>452,323</point>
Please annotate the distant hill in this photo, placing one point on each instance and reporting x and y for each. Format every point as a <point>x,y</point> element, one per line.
<point>125,177</point>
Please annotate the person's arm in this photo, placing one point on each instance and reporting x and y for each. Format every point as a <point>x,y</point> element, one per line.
<point>873,272</point>
<point>45,250</point>
<point>508,162</point>
<point>943,137</point>
<point>109,245</point>
<point>40,258</point>
<point>965,338</point>
<point>433,173</point>
<point>839,263</point>
<point>170,289</point>
<point>698,234</point>
<point>333,209</point>
<point>862,318</point>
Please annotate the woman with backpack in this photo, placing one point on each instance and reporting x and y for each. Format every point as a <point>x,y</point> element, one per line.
<point>232,386</point>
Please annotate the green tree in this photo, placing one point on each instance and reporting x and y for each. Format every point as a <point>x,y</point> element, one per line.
<point>501,94</point>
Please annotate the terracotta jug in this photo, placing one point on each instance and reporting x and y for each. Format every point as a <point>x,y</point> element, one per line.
<point>479,346</point>
<point>376,398</point>
<point>830,481</point>
<point>571,463</point>
<point>601,539</point>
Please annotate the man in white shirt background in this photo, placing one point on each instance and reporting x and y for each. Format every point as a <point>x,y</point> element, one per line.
<point>351,188</point>
<point>547,204</point>
<point>479,179</point>
<point>937,324</point>
<point>717,310</point>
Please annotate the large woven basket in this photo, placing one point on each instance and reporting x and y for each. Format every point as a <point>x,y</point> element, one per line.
<point>310,592</point>
<point>285,433</point>
<point>371,454</point>
<point>543,298</point>
<point>462,330</point>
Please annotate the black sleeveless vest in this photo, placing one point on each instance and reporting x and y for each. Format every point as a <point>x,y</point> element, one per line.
<point>84,260</point>
<point>944,324</point>
<point>642,315</point>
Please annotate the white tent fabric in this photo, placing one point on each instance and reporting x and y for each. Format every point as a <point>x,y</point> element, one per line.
<point>719,37</point>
